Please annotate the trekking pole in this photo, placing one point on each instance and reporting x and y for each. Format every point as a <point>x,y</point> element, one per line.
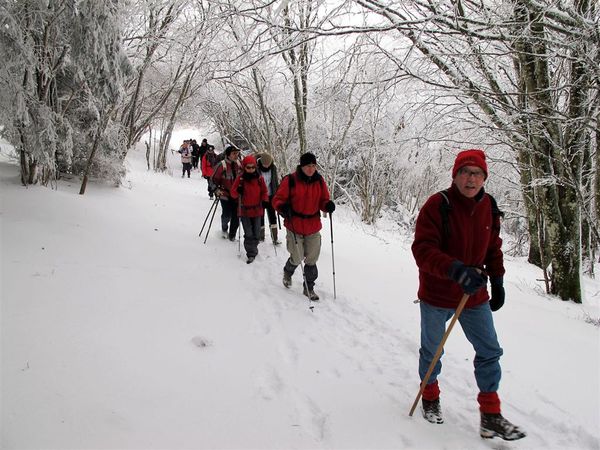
<point>310,305</point>
<point>439,350</point>
<point>332,258</point>
<point>211,221</point>
<point>278,221</point>
<point>239,225</point>
<point>213,205</point>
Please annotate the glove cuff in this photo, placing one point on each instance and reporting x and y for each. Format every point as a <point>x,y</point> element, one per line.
<point>454,268</point>
<point>497,281</point>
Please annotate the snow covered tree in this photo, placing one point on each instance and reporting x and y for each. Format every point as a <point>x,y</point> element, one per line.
<point>64,73</point>
<point>530,80</point>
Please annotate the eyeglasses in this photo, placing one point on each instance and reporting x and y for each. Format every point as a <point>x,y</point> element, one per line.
<point>250,167</point>
<point>468,173</point>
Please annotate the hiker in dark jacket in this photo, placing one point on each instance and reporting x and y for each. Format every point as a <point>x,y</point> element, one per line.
<point>195,153</point>
<point>300,198</point>
<point>268,170</point>
<point>455,256</point>
<point>223,177</point>
<point>202,149</point>
<point>250,190</point>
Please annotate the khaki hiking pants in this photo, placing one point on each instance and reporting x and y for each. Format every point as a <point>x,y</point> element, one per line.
<point>307,248</point>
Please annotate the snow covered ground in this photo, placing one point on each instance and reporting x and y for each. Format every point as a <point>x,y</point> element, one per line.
<point>121,329</point>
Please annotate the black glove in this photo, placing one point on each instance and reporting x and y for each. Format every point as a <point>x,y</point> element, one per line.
<point>469,278</point>
<point>240,189</point>
<point>329,206</point>
<point>266,204</point>
<point>286,211</point>
<point>498,294</point>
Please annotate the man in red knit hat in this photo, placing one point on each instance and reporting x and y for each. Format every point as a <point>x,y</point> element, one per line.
<point>457,246</point>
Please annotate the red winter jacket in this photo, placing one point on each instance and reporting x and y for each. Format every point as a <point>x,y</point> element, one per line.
<point>225,174</point>
<point>255,192</point>
<point>208,160</point>
<point>307,197</point>
<point>473,240</point>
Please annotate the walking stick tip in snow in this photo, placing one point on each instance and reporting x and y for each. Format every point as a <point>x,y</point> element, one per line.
<point>438,352</point>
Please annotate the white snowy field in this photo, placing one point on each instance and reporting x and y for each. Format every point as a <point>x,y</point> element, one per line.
<point>121,329</point>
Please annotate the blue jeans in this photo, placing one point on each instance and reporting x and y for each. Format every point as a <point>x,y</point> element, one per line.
<point>478,325</point>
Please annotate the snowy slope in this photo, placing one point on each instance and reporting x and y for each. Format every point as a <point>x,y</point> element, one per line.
<point>121,330</point>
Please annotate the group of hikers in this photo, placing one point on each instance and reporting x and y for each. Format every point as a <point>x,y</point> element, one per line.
<point>193,154</point>
<point>247,187</point>
<point>457,248</point>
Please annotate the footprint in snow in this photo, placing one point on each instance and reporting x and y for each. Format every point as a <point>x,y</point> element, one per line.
<point>201,342</point>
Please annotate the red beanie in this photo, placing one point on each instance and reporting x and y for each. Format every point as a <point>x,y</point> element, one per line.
<point>249,160</point>
<point>472,157</point>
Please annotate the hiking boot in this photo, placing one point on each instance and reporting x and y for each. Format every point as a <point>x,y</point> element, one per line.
<point>312,295</point>
<point>432,411</point>
<point>225,234</point>
<point>287,279</point>
<point>232,238</point>
<point>250,260</point>
<point>494,425</point>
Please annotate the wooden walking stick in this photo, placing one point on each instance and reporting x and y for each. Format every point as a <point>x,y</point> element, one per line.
<point>438,353</point>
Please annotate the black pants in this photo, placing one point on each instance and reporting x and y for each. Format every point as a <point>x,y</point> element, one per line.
<point>195,160</point>
<point>251,235</point>
<point>229,216</point>
<point>271,215</point>
<point>186,168</point>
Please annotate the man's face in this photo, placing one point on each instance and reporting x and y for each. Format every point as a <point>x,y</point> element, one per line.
<point>309,169</point>
<point>234,155</point>
<point>469,180</point>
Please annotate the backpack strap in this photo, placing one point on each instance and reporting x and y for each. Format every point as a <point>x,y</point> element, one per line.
<point>445,209</point>
<point>496,212</point>
<point>291,184</point>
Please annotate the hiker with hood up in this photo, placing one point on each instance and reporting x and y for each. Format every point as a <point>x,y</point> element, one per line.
<point>301,197</point>
<point>250,190</point>
<point>457,246</point>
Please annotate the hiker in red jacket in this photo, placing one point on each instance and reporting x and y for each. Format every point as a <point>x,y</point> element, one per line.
<point>457,246</point>
<point>250,190</point>
<point>300,198</point>
<point>225,173</point>
<point>208,163</point>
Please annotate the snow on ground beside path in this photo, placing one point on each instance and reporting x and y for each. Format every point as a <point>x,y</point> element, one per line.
<point>121,330</point>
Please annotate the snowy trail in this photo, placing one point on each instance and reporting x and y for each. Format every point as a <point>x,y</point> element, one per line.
<point>135,334</point>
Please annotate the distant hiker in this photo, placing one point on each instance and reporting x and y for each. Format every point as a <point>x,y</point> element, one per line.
<point>209,161</point>
<point>457,246</point>
<point>223,177</point>
<point>202,149</point>
<point>186,158</point>
<point>300,198</point>
<point>250,190</point>
<point>268,170</point>
<point>195,153</point>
